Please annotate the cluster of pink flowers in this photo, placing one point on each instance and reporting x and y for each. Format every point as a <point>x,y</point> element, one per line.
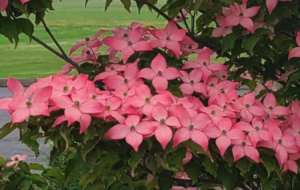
<point>139,100</point>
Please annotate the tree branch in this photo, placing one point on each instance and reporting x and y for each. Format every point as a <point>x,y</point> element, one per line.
<point>68,60</point>
<point>184,20</point>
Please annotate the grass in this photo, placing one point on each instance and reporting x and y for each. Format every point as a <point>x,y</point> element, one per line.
<point>69,23</point>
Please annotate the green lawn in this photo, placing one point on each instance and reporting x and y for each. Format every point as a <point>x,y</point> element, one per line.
<point>69,22</point>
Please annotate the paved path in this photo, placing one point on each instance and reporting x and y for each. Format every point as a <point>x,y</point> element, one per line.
<point>11,145</point>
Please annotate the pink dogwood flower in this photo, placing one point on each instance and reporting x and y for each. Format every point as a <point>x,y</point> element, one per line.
<point>159,73</point>
<point>128,46</point>
<point>112,69</point>
<point>132,130</point>
<point>64,85</point>
<point>272,109</point>
<point>192,82</point>
<point>240,14</point>
<point>78,108</point>
<point>295,52</point>
<point>169,38</point>
<point>248,109</point>
<point>225,133</point>
<point>243,148</point>
<point>163,122</point>
<point>291,164</point>
<point>15,160</point>
<point>222,30</point>
<point>203,62</point>
<point>23,107</point>
<point>192,128</point>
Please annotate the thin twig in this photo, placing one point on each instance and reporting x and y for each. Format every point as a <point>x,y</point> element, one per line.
<point>68,60</point>
<point>184,21</point>
<point>193,24</point>
<point>53,38</point>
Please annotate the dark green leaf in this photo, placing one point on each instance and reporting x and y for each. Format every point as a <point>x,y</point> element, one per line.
<point>36,166</point>
<point>244,165</point>
<point>193,170</point>
<point>73,167</point>
<point>249,43</point>
<point>126,4</point>
<point>107,4</point>
<point>89,146</point>
<point>163,183</point>
<point>37,178</point>
<point>228,179</point>
<point>6,130</point>
<point>26,184</point>
<point>135,159</point>
<point>26,26</point>
<point>87,179</point>
<point>210,167</point>
<point>2,162</point>
<point>96,186</point>
<point>228,42</point>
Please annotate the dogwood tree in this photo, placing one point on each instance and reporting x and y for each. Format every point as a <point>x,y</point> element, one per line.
<point>211,100</point>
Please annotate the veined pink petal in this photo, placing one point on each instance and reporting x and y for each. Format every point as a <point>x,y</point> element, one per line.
<point>249,99</point>
<point>175,47</point>
<point>199,138</point>
<point>164,135</point>
<point>247,23</point>
<point>20,115</point>
<point>238,152</point>
<point>158,43</point>
<point>126,53</point>
<point>146,128</point>
<point>91,107</point>
<point>4,103</point>
<point>171,27</point>
<point>281,154</point>
<point>159,64</point>
<point>131,71</point>
<point>217,32</point>
<point>80,81</point>
<point>292,166</point>
<point>186,89</point>
<point>11,163</point>
<point>258,111</point>
<point>243,126</point>
<point>147,73</point>
<point>160,83</point>
<point>118,131</point>
<point>265,135</point>
<point>246,115</point>
<point>171,73</point>
<point>42,95</point>
<point>39,109</point>
<point>62,101</point>
<point>142,46</point>
<point>117,116</point>
<point>254,137</point>
<point>15,86</point>
<point>178,35</point>
<point>232,20</point>
<point>270,100</point>
<point>135,35</point>
<point>160,34</point>
<point>251,12</point>
<point>223,143</point>
<point>136,101</point>
<point>271,4</point>
<point>173,121</point>
<point>114,81</point>
<point>224,124</point>
<point>280,110</point>
<point>191,64</point>
<point>200,121</point>
<point>85,121</point>
<point>132,120</point>
<point>115,43</point>
<point>59,120</point>
<point>295,52</point>
<point>183,116</point>
<point>181,135</point>
<point>19,102</point>
<point>134,139</point>
<point>200,88</point>
<point>211,131</point>
<point>236,134</point>
<point>114,103</point>
<point>159,113</point>
<point>76,46</point>
<point>73,114</point>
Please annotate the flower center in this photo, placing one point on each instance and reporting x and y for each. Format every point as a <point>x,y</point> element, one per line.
<point>223,76</point>
<point>191,126</point>
<point>168,38</point>
<point>132,127</point>
<point>125,35</point>
<point>178,17</point>
<point>298,132</point>
<point>181,104</point>
<point>159,73</point>
<point>279,141</point>
<point>192,81</point>
<point>28,104</point>
<point>224,132</point>
<point>107,107</point>
<point>65,88</point>
<point>125,80</point>
<point>87,39</point>
<point>88,52</point>
<point>247,105</point>
<point>213,112</point>
<point>225,107</point>
<point>211,84</point>
<point>270,107</point>
<point>125,94</point>
<point>244,143</point>
<point>112,68</point>
<point>147,99</point>
<point>94,96</point>
<point>129,43</point>
<point>76,103</point>
<point>190,47</point>
<point>222,91</point>
<point>162,121</point>
<point>204,63</point>
<point>256,128</point>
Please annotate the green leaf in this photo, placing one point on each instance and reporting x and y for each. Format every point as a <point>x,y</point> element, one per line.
<point>65,134</point>
<point>2,162</point>
<point>228,42</point>
<point>210,167</point>
<point>6,130</point>
<point>25,184</point>
<point>96,186</point>
<point>228,179</point>
<point>295,76</point>
<point>36,166</point>
<point>165,184</point>
<point>193,170</point>
<point>135,159</point>
<point>107,4</point>
<point>244,165</point>
<point>54,175</point>
<point>26,27</point>
<point>87,179</point>
<point>249,43</point>
<point>89,146</point>
<point>127,4</point>
<point>73,167</point>
<point>37,178</point>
